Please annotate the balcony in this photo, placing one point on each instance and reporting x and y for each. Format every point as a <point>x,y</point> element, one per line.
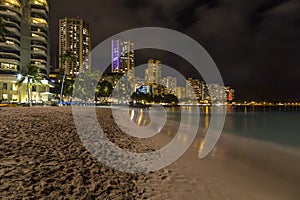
<point>39,47</point>
<point>40,12</point>
<point>43,69</point>
<point>14,8</point>
<point>7,55</point>
<point>39,52</point>
<point>39,23</point>
<point>38,62</point>
<point>13,30</point>
<point>40,3</point>
<point>12,23</point>
<point>11,61</point>
<point>10,14</point>
<point>12,40</point>
<point>40,33</point>
<point>40,39</point>
<point>9,46</point>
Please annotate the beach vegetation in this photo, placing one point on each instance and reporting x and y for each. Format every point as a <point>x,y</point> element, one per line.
<point>30,75</point>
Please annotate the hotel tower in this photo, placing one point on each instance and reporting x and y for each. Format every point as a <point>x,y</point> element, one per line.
<point>123,58</point>
<point>74,37</point>
<point>26,41</point>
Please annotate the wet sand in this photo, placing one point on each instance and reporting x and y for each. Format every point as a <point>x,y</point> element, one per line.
<point>41,156</point>
<point>237,168</point>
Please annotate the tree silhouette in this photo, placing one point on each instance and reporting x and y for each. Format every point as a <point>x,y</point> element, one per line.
<point>67,56</point>
<point>32,76</point>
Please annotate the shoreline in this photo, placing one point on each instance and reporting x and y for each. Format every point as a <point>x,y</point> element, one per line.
<point>237,168</point>
<point>42,156</point>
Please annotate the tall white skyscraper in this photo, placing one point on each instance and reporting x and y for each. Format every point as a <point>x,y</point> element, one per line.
<point>74,37</point>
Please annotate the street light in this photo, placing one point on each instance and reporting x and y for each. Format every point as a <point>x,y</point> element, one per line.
<point>19,76</point>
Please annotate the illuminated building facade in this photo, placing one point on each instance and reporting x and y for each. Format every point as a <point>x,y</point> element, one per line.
<point>123,58</point>
<point>194,89</point>
<point>215,93</point>
<point>153,72</point>
<point>170,83</point>
<point>74,37</point>
<point>180,92</point>
<point>26,42</point>
<point>229,94</point>
<point>39,32</point>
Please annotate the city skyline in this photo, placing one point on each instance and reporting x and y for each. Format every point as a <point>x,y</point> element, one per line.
<point>279,82</point>
<point>253,47</point>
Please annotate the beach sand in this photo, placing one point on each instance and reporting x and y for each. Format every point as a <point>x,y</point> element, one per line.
<point>41,156</point>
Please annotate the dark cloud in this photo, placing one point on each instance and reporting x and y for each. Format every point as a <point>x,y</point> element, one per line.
<point>255,44</point>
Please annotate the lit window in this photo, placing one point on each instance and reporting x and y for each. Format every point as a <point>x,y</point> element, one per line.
<point>4,97</point>
<point>9,42</point>
<point>14,87</point>
<point>35,35</point>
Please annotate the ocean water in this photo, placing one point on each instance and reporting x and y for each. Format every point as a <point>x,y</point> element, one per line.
<point>277,124</point>
<point>274,124</point>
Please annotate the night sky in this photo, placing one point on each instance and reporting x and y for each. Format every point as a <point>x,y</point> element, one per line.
<point>255,44</point>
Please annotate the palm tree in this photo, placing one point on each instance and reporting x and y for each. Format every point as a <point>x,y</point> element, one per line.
<point>104,89</point>
<point>32,76</point>
<point>67,56</point>
<point>85,86</point>
<point>3,30</point>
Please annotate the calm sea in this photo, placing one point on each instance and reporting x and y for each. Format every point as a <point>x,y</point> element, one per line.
<point>277,124</point>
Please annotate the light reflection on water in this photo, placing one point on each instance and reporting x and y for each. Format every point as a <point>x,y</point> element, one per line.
<point>276,124</point>
<point>140,116</point>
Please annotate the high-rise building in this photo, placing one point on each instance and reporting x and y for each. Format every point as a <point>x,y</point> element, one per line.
<point>229,93</point>
<point>153,72</point>
<point>194,88</point>
<point>27,36</point>
<point>39,31</point>
<point>74,37</point>
<point>26,42</point>
<point>123,58</point>
<point>10,14</point>
<point>170,83</point>
<point>216,93</point>
<point>180,92</point>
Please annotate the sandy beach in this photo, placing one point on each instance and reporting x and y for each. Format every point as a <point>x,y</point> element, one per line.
<point>42,157</point>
